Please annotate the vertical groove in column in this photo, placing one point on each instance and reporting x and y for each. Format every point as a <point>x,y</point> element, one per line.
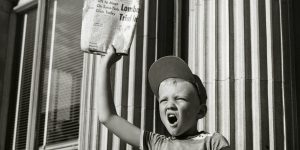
<point>177,27</point>
<point>201,32</point>
<point>201,57</point>
<point>263,73</point>
<point>248,75</point>
<point>192,44</point>
<point>92,109</point>
<point>270,73</point>
<point>239,74</point>
<point>131,86</point>
<point>223,87</point>
<point>103,145</point>
<point>287,141</point>
<point>144,66</point>
<point>277,70</point>
<point>289,127</point>
<point>211,65</point>
<point>136,64</point>
<point>231,74</point>
<point>255,59</point>
<point>152,55</point>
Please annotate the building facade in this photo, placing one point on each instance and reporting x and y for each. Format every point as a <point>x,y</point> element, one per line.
<point>245,52</point>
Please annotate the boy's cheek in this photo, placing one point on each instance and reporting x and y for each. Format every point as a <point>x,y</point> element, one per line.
<point>162,116</point>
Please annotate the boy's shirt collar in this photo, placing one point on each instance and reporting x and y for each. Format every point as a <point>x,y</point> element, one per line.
<point>199,136</point>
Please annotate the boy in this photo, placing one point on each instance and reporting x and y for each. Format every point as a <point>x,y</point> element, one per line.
<point>181,98</point>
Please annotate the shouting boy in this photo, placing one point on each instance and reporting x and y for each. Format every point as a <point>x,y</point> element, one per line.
<point>182,102</point>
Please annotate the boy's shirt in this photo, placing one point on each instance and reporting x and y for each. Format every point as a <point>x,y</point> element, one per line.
<point>203,141</point>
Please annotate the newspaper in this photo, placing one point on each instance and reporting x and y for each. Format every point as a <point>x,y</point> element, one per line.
<point>106,22</point>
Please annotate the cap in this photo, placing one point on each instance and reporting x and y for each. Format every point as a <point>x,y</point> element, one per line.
<point>173,67</point>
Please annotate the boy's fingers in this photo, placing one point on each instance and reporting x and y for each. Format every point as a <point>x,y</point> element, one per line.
<point>111,49</point>
<point>114,49</point>
<point>111,56</point>
<point>109,53</point>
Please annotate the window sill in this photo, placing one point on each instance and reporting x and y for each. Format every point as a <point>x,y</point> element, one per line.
<point>69,145</point>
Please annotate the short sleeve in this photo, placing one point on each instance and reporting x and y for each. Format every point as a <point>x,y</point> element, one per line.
<point>219,142</point>
<point>150,141</point>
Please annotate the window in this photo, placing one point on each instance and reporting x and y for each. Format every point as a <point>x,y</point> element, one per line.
<point>25,74</point>
<point>56,106</point>
<point>61,73</point>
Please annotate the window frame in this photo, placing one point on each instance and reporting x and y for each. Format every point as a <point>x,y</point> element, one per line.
<point>22,8</point>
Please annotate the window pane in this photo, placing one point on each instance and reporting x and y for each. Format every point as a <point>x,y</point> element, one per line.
<point>25,84</point>
<point>62,66</point>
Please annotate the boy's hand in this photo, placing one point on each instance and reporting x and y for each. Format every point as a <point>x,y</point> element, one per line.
<point>110,57</point>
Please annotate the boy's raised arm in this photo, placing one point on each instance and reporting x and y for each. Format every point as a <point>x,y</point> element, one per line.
<point>105,104</point>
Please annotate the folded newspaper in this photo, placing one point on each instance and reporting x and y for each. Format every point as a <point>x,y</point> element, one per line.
<point>106,22</point>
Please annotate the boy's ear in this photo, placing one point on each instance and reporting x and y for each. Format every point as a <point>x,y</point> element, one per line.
<point>202,111</point>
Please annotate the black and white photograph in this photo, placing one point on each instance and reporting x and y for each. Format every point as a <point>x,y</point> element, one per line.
<point>149,75</point>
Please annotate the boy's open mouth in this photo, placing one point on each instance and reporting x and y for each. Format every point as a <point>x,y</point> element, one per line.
<point>172,118</point>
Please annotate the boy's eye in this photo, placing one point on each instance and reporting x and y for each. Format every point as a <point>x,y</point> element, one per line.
<point>181,98</point>
<point>162,100</point>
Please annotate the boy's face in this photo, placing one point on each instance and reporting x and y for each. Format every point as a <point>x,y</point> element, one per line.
<point>179,106</point>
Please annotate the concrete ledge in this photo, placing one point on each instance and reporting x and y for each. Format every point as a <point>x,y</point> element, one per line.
<point>25,5</point>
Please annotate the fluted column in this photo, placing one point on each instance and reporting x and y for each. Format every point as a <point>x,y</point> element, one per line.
<point>241,51</point>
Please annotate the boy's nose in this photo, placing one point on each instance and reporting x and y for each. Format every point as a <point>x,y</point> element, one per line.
<point>171,106</point>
